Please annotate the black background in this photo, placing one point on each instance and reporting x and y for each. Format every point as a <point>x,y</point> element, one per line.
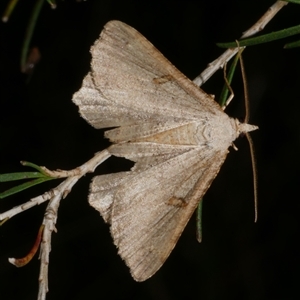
<point>237,259</point>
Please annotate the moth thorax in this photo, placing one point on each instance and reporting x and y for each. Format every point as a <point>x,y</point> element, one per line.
<point>218,132</point>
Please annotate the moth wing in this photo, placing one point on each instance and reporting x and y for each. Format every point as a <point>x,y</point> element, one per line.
<point>99,111</point>
<point>103,189</point>
<point>149,209</point>
<point>109,112</point>
<point>131,82</point>
<point>145,155</point>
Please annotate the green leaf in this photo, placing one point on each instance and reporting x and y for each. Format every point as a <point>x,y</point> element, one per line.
<point>292,45</point>
<point>20,176</point>
<point>293,1</point>
<point>23,186</point>
<point>52,3</point>
<point>41,176</point>
<point>199,221</point>
<point>34,166</point>
<point>29,32</point>
<point>273,36</point>
<point>9,9</point>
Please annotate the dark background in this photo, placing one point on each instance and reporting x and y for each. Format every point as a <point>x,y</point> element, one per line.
<point>237,259</point>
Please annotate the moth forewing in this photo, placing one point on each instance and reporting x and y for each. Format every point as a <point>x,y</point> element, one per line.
<point>176,134</point>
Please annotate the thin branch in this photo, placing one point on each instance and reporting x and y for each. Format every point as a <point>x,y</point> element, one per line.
<point>87,167</point>
<point>50,216</point>
<point>49,222</point>
<point>229,53</point>
<point>55,196</point>
<point>31,203</point>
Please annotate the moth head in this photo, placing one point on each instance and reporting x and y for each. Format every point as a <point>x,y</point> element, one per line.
<point>244,127</point>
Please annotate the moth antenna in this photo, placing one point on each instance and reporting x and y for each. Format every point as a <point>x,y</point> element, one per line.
<point>251,145</point>
<point>246,95</point>
<point>254,172</point>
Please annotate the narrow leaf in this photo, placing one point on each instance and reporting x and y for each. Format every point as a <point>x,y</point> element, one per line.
<point>292,45</point>
<point>34,166</point>
<point>20,175</point>
<point>293,1</point>
<point>273,36</point>
<point>23,186</point>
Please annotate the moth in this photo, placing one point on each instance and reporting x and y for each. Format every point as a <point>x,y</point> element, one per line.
<point>176,134</point>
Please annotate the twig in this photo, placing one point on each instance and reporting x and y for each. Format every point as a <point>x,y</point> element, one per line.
<point>50,216</point>
<point>49,222</point>
<point>55,196</point>
<point>31,203</point>
<point>229,53</point>
<point>87,167</point>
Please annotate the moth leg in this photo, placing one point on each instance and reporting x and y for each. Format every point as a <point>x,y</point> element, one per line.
<point>229,88</point>
<point>228,77</point>
<point>234,147</point>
